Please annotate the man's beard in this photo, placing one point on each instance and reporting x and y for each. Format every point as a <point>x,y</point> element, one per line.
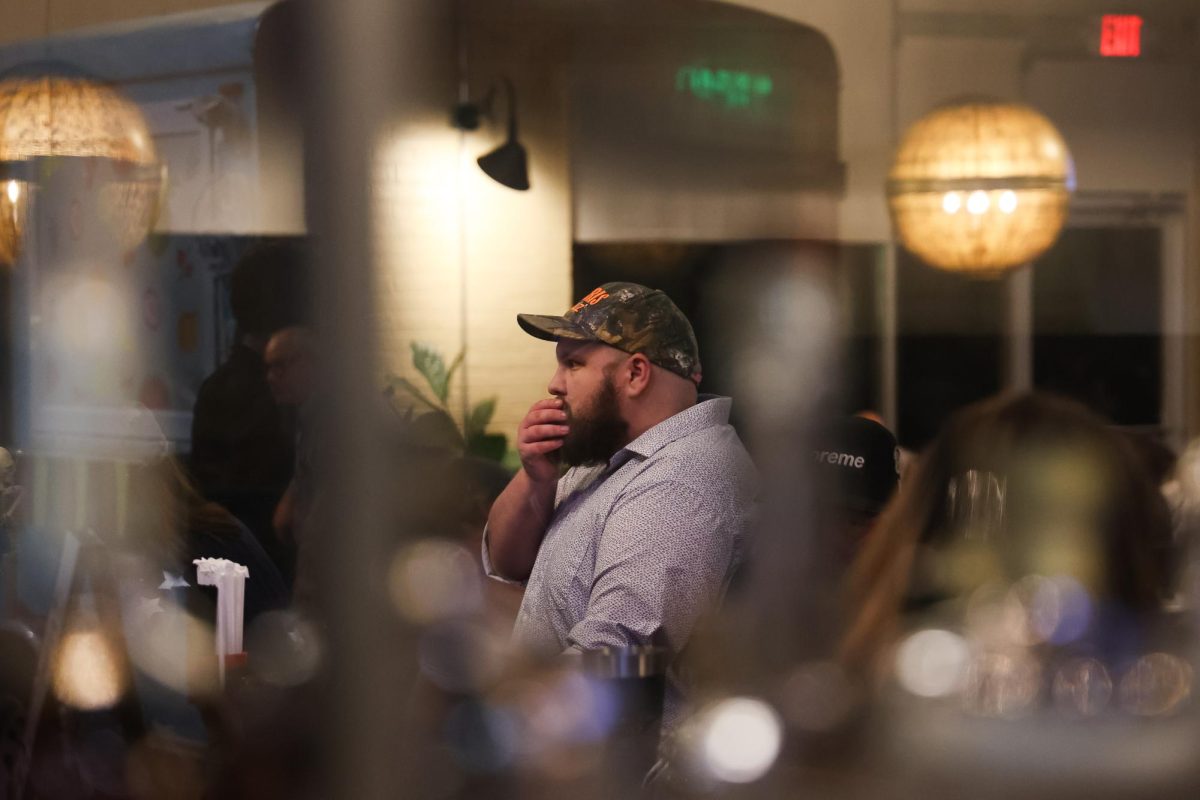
<point>597,432</point>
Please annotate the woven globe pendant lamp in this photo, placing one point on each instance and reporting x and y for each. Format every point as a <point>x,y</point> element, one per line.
<point>980,187</point>
<point>76,132</point>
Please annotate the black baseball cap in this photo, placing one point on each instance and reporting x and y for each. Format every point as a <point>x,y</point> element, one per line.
<point>861,460</point>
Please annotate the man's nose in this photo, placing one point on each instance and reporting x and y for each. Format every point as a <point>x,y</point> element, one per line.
<point>557,386</point>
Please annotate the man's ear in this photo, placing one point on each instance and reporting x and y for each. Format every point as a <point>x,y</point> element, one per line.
<point>639,369</point>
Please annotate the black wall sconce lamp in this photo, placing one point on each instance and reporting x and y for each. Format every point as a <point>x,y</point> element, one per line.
<point>508,164</point>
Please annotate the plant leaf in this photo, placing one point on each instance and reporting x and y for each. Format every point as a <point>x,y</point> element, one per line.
<point>480,417</point>
<point>432,367</point>
<point>414,392</point>
<point>437,429</point>
<point>454,365</point>
<point>491,446</point>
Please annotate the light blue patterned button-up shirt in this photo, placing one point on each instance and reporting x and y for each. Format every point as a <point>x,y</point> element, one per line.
<point>639,548</point>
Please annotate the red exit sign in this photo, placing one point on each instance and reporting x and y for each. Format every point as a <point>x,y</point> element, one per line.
<point>1121,36</point>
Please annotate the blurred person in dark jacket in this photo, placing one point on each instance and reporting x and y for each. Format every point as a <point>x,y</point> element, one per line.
<point>241,448</point>
<point>290,359</point>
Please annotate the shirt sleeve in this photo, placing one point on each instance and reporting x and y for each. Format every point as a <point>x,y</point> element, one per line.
<point>488,569</point>
<point>663,561</point>
<point>566,484</point>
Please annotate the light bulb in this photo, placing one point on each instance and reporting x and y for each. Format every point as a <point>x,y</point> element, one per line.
<point>978,202</point>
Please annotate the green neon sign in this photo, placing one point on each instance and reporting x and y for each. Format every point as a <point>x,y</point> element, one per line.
<point>734,88</point>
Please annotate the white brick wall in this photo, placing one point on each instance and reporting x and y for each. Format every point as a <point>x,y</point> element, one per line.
<point>518,244</point>
<point>518,259</point>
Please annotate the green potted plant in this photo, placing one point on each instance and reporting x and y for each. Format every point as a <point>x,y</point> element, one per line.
<point>469,433</point>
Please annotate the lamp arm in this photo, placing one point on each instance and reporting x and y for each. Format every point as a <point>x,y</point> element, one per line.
<point>512,108</point>
<point>466,115</point>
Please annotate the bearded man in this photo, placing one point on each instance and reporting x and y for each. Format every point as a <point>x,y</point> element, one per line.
<point>639,537</point>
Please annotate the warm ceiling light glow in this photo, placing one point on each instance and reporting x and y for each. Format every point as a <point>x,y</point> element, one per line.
<point>88,673</point>
<point>12,221</point>
<point>73,118</point>
<point>1004,163</point>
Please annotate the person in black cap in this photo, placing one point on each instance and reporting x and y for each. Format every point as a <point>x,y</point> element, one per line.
<point>640,535</point>
<point>858,464</point>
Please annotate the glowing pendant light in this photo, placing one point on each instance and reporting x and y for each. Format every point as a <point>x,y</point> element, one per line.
<point>980,187</point>
<point>53,124</point>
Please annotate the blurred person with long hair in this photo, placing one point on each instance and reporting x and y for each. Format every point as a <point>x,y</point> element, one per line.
<point>1018,495</point>
<point>171,524</point>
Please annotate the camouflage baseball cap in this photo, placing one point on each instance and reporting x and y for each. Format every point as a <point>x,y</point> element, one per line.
<point>629,317</point>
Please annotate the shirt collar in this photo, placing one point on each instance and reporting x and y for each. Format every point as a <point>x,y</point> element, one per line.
<point>710,410</point>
